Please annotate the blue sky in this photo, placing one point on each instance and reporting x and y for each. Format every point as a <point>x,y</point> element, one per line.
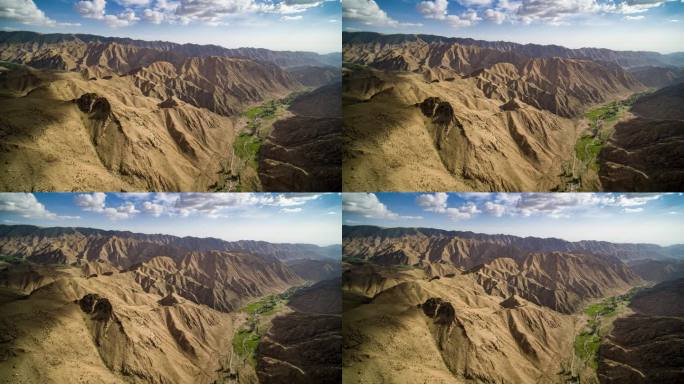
<point>654,25</point>
<point>278,218</point>
<point>628,218</point>
<point>309,25</point>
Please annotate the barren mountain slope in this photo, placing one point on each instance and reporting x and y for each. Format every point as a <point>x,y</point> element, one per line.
<point>305,346</point>
<point>646,152</point>
<point>452,331</point>
<point>303,153</point>
<point>121,307</point>
<point>645,346</point>
<point>32,41</point>
<point>442,306</point>
<point>312,76</point>
<point>402,133</point>
<point>107,330</point>
<point>315,270</point>
<point>408,246</point>
<point>125,249</point>
<point>560,85</point>
<point>657,77</point>
<point>104,135</point>
<point>493,116</point>
<point>151,130</point>
<point>626,59</point>
<point>658,270</point>
<point>222,85</point>
<point>221,280</point>
<point>561,281</point>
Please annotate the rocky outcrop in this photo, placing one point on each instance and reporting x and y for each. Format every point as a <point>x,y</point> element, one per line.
<point>646,152</point>
<point>441,312</point>
<point>468,249</point>
<point>305,346</point>
<point>124,250</point>
<point>100,308</point>
<point>304,152</point>
<point>221,280</point>
<point>646,346</point>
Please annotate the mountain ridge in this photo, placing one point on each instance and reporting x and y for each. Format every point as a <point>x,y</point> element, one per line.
<point>529,48</point>
<point>188,48</point>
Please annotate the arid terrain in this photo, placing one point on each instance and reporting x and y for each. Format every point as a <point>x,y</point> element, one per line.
<point>91,113</point>
<point>430,113</point>
<point>88,305</point>
<point>428,305</point>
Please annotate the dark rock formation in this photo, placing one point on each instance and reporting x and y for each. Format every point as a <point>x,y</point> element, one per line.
<point>99,307</point>
<point>441,311</point>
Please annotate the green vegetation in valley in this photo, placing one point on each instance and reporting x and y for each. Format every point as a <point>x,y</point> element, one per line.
<point>245,344</point>
<point>258,116</point>
<point>353,66</point>
<point>583,173</point>
<point>246,340</point>
<point>353,260</point>
<point>239,172</point>
<point>10,65</point>
<point>600,316</point>
<point>12,259</point>
<point>247,148</point>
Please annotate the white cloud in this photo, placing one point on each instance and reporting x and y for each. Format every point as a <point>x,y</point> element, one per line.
<point>96,202</point>
<point>633,6</point>
<point>632,199</point>
<point>26,12</point>
<point>291,18</point>
<point>153,16</point>
<point>121,212</point>
<point>554,205</point>
<point>369,13</point>
<point>436,9</point>
<point>475,3</point>
<point>368,205</point>
<point>26,205</point>
<point>213,12</point>
<point>496,16</point>
<point>133,3</point>
<point>639,17</point>
<point>436,202</point>
<point>155,209</point>
<point>466,19</point>
<point>91,9</point>
<point>218,204</point>
<point>290,210</point>
<point>494,209</point>
<point>96,9</point>
<point>464,212</point>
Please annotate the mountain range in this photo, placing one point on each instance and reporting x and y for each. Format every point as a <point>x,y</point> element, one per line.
<point>463,306</point>
<point>122,306</point>
<point>506,116</point>
<point>169,116</point>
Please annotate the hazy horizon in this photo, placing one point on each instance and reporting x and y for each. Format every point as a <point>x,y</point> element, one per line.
<point>647,25</point>
<point>311,218</point>
<point>282,25</point>
<point>611,217</point>
<point>505,41</point>
<point>162,41</point>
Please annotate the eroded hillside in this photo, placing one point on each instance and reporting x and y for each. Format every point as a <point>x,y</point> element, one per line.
<point>429,113</point>
<point>465,307</point>
<point>121,307</point>
<point>84,112</point>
